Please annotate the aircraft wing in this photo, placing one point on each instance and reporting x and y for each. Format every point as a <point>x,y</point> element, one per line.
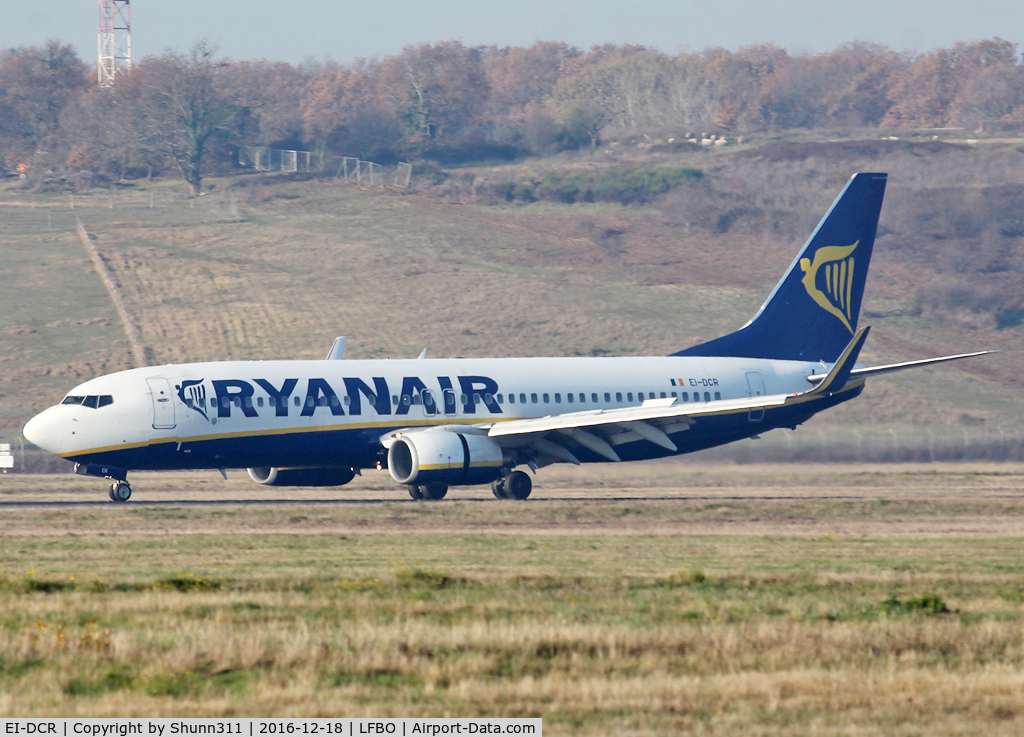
<point>654,420</point>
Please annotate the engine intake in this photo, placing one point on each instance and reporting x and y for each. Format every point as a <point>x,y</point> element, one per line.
<point>442,456</point>
<point>302,476</point>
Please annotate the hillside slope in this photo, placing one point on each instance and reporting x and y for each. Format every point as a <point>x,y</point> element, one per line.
<point>276,268</point>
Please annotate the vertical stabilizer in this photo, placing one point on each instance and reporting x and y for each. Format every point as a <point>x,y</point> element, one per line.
<point>812,313</point>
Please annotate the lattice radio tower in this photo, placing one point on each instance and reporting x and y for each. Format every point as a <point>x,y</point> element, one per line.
<point>115,40</point>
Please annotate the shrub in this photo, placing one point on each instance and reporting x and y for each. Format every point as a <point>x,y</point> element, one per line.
<point>927,604</point>
<point>624,185</point>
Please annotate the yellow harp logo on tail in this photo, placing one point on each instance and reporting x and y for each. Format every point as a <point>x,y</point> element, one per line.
<point>836,290</point>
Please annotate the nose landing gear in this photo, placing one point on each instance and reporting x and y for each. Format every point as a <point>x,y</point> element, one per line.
<point>120,491</point>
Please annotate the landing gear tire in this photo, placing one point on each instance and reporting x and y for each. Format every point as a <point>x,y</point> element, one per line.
<point>110,493</point>
<point>498,488</point>
<point>518,485</point>
<point>120,492</point>
<point>434,492</point>
<point>416,492</point>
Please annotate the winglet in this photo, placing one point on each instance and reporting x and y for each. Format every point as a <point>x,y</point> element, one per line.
<point>836,378</point>
<point>337,350</point>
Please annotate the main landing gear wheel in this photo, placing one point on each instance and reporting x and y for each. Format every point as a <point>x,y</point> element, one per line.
<point>120,491</point>
<point>428,492</point>
<point>498,488</point>
<point>517,485</point>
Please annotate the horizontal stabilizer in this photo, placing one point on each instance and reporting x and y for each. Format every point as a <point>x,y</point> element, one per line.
<point>861,373</point>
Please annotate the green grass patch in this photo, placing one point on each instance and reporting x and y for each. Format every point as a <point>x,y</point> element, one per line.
<point>380,678</point>
<point>194,684</point>
<point>189,582</point>
<point>116,679</point>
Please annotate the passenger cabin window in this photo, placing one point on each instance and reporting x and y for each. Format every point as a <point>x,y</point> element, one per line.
<point>501,399</point>
<point>629,396</point>
<point>686,396</point>
<point>547,398</point>
<point>607,397</point>
<point>568,397</point>
<point>718,395</point>
<point>298,401</point>
<point>707,396</point>
<point>522,398</point>
<point>533,398</point>
<point>593,398</point>
<point>259,401</point>
<point>618,396</point>
<point>511,398</point>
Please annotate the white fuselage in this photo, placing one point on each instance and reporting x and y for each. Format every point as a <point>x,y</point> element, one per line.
<point>280,413</point>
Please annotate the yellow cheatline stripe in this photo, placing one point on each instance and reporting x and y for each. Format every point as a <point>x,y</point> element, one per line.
<point>457,465</point>
<point>289,431</point>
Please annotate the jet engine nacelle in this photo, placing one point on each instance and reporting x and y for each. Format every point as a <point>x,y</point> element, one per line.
<point>445,457</point>
<point>302,476</point>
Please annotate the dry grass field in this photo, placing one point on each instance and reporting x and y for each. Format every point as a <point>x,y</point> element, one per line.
<point>665,598</point>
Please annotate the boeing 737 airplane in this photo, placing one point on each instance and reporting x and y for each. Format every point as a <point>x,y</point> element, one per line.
<point>437,423</point>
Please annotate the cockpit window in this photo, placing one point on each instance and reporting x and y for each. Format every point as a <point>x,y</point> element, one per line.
<point>93,401</point>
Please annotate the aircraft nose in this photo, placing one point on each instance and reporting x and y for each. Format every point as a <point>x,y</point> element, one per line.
<point>46,430</point>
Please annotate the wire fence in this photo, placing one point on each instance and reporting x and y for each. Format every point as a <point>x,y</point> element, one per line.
<point>878,444</point>
<point>284,161</point>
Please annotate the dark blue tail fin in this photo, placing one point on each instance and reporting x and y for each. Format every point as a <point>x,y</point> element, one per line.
<point>811,315</point>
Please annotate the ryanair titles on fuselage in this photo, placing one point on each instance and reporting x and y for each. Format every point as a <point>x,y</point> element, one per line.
<point>238,394</point>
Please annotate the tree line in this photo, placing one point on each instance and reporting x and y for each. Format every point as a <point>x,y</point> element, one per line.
<point>192,113</point>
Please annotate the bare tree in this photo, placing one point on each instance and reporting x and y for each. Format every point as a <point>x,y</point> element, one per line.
<point>183,105</point>
<point>36,84</point>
